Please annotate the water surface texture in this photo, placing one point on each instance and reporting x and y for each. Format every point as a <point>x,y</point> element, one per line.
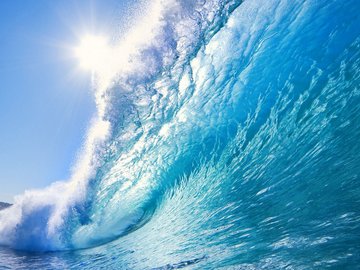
<point>232,142</point>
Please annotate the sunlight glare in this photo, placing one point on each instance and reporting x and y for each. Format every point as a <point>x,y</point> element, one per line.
<point>93,52</point>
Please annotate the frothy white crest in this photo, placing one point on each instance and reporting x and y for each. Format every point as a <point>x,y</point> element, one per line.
<point>124,54</point>
<point>83,171</point>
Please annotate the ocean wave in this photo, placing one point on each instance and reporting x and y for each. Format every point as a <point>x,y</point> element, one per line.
<point>229,132</point>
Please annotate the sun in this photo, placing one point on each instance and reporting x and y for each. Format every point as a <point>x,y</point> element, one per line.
<point>93,52</point>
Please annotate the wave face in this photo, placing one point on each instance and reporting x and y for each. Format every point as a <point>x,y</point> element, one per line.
<point>231,139</point>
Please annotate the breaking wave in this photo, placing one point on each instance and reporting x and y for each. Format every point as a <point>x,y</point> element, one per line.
<point>227,127</point>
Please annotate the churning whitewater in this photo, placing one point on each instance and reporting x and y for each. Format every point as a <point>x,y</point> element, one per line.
<point>227,135</point>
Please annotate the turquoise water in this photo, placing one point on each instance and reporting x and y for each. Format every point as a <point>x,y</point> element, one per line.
<point>234,144</point>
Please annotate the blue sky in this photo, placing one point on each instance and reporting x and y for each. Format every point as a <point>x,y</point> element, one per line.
<point>45,102</point>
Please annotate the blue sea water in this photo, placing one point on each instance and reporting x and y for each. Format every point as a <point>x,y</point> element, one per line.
<point>233,144</point>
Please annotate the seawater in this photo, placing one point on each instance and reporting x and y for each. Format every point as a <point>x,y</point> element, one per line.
<point>232,143</point>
